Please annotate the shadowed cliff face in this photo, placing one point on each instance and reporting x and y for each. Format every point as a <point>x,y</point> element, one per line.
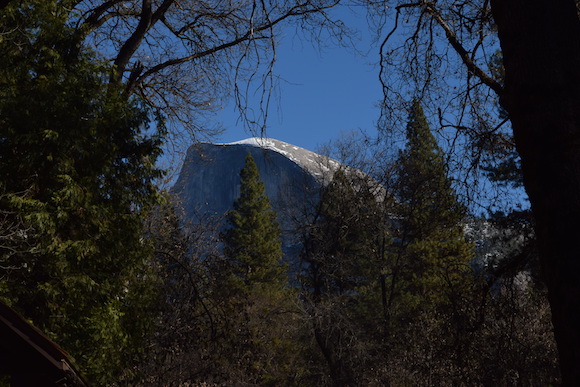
<point>209,181</point>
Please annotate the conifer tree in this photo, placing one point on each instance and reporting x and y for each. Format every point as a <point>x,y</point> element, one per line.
<point>262,306</point>
<point>430,271</point>
<point>430,233</point>
<point>252,241</point>
<point>77,171</point>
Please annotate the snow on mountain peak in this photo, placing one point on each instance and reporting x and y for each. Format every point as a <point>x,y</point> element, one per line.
<point>322,167</point>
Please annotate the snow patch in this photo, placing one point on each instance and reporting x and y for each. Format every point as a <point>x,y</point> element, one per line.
<point>320,166</point>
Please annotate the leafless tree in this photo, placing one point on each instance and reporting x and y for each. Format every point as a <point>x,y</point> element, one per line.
<point>185,57</point>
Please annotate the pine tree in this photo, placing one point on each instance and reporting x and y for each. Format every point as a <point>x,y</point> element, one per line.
<point>430,215</point>
<point>252,241</point>
<point>262,306</point>
<point>430,271</point>
<point>428,199</point>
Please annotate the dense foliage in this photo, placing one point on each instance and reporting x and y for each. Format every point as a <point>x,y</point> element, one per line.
<point>396,294</point>
<point>77,171</point>
<point>258,284</point>
<point>429,304</point>
<point>341,261</point>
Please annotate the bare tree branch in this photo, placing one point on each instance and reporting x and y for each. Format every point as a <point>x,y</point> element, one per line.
<point>186,57</point>
<point>465,56</point>
<point>249,35</point>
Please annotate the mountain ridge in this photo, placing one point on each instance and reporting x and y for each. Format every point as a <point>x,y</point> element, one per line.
<point>208,182</point>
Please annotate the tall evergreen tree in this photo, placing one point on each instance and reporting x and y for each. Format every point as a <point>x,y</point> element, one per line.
<point>77,170</point>
<point>430,271</point>
<point>424,189</point>
<point>252,241</point>
<point>262,306</point>
<point>430,215</point>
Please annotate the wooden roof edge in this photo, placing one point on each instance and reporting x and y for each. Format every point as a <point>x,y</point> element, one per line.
<point>41,343</point>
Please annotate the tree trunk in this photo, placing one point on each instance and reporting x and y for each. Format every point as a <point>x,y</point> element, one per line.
<point>540,40</point>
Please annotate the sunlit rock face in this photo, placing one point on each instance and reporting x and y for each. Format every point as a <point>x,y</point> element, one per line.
<point>209,181</point>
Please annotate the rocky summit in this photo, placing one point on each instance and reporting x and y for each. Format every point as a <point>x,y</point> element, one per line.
<point>209,181</point>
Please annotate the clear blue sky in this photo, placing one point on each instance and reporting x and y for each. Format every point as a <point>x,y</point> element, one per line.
<point>322,92</point>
